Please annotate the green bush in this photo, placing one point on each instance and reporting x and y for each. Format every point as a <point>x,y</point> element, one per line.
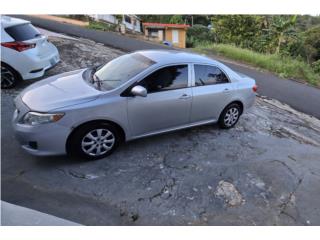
<point>316,66</point>
<point>102,26</point>
<point>312,44</point>
<point>199,33</point>
<point>80,17</point>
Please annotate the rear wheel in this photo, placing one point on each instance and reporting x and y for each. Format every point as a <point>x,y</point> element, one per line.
<point>94,141</point>
<point>9,77</point>
<point>230,116</point>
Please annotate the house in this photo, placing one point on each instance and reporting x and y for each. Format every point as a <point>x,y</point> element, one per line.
<point>173,33</point>
<point>131,22</point>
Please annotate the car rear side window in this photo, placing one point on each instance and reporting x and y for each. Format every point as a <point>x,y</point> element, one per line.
<point>22,32</point>
<point>208,75</point>
<point>167,78</point>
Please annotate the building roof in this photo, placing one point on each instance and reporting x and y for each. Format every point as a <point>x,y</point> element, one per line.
<point>170,25</point>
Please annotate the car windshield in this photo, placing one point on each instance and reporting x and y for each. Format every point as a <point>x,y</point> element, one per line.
<point>120,70</point>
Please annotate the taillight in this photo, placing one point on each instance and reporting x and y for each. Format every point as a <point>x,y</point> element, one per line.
<point>255,88</point>
<point>18,46</point>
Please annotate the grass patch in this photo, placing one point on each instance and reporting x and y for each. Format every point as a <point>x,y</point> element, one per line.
<point>285,67</point>
<point>101,26</point>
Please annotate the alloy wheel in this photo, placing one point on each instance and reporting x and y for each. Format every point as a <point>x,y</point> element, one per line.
<point>98,142</point>
<point>231,116</point>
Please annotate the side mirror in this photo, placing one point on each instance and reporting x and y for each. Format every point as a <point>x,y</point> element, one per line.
<point>139,91</point>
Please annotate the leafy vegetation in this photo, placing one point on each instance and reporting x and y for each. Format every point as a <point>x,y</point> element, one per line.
<point>312,44</point>
<point>186,19</point>
<point>198,34</point>
<point>101,26</point>
<point>284,66</point>
<point>288,45</point>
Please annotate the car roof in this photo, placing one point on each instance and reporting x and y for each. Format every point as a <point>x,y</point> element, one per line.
<point>175,56</point>
<point>7,21</point>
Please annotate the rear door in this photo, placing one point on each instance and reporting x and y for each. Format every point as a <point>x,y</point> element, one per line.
<point>167,104</point>
<point>211,92</point>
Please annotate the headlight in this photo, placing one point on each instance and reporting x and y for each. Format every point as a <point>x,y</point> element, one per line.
<point>34,118</point>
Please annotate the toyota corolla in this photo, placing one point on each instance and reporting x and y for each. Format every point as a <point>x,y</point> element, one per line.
<point>87,113</point>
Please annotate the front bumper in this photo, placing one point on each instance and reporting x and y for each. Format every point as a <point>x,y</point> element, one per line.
<point>41,140</point>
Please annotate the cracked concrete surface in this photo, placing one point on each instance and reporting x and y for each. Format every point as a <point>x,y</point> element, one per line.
<point>230,194</point>
<point>265,171</point>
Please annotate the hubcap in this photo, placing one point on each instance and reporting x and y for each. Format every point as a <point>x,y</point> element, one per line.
<point>231,116</point>
<point>97,142</point>
<point>7,77</point>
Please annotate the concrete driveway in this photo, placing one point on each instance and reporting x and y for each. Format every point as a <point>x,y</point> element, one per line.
<point>265,171</point>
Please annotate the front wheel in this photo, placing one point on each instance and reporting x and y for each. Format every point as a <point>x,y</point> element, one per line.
<point>230,116</point>
<point>94,141</point>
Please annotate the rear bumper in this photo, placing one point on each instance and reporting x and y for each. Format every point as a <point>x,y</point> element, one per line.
<point>37,67</point>
<point>249,102</point>
<point>29,64</point>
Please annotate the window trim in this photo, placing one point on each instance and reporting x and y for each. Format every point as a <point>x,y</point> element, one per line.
<point>193,82</point>
<point>126,92</point>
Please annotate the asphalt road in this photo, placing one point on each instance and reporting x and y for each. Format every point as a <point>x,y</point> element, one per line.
<point>300,96</point>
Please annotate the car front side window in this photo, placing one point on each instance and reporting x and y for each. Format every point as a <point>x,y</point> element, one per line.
<point>209,75</point>
<point>167,78</point>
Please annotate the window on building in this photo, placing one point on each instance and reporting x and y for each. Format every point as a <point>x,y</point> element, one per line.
<point>127,19</point>
<point>153,32</point>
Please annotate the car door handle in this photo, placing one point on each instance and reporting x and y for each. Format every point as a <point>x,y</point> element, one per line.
<point>226,90</point>
<point>184,96</point>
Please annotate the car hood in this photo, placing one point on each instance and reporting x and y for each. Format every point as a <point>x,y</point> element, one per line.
<point>58,91</point>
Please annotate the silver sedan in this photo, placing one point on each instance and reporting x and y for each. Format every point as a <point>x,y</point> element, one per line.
<point>87,113</point>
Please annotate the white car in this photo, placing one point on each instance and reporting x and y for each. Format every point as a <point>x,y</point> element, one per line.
<point>25,52</point>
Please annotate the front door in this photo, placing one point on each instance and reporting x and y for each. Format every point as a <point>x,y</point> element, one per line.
<point>167,104</point>
<point>160,35</point>
<point>175,36</point>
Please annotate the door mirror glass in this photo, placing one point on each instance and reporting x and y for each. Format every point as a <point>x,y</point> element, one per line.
<point>139,91</point>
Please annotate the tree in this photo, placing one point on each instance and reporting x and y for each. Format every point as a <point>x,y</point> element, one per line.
<point>312,44</point>
<point>281,29</point>
<point>163,18</point>
<point>177,19</point>
<point>199,34</point>
<point>241,30</point>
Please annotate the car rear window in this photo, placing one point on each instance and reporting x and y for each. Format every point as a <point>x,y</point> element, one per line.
<point>22,32</point>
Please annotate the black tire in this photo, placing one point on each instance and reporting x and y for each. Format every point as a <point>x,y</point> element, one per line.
<point>76,147</point>
<point>225,119</point>
<point>9,77</point>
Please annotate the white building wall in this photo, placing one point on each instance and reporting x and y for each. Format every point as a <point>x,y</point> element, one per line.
<point>105,17</point>
<point>112,19</point>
